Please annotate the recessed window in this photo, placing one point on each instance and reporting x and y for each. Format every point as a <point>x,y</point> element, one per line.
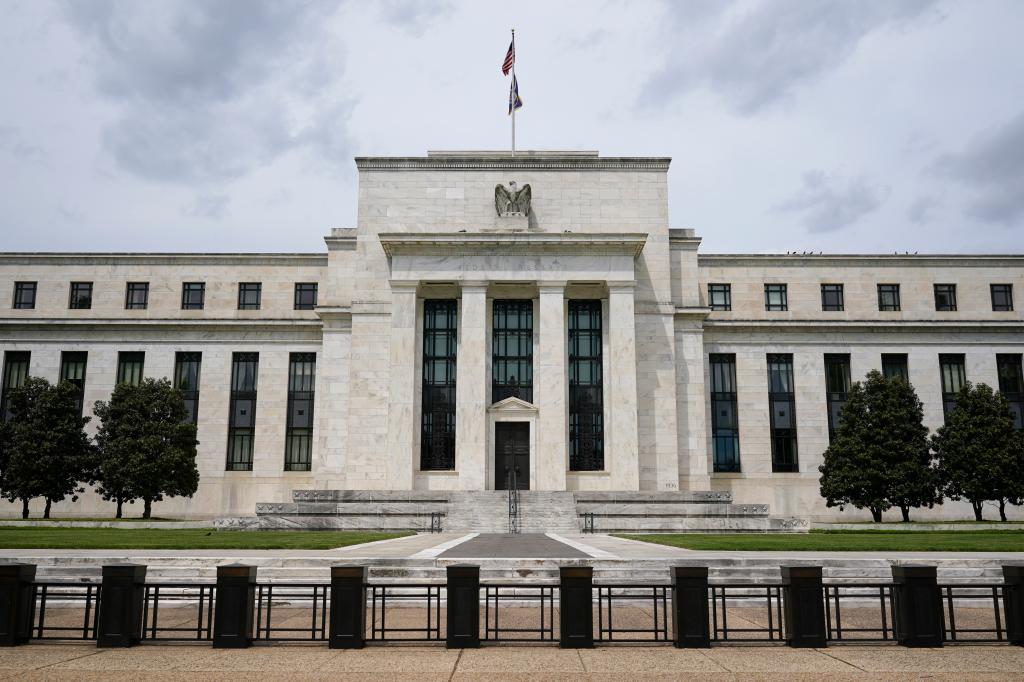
<point>1011,384</point>
<point>586,387</point>
<point>953,374</point>
<point>249,295</point>
<point>186,379</point>
<point>837,388</point>
<point>725,428</point>
<point>72,369</point>
<point>832,297</point>
<point>129,367</point>
<point>16,372</point>
<point>889,297</point>
<point>782,412</point>
<point>305,295</point>
<point>440,352</point>
<point>775,297</point>
<point>894,366</point>
<point>24,295</point>
<point>81,296</point>
<point>298,440</point>
<point>720,296</point>
<point>1002,297</point>
<point>945,297</point>
<point>242,412</point>
<point>512,350</point>
<point>136,295</point>
<point>193,295</point>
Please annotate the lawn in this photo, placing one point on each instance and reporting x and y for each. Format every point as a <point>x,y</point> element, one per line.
<point>201,538</point>
<point>849,541</point>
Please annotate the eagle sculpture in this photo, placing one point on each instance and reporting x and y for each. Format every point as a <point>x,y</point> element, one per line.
<point>512,200</point>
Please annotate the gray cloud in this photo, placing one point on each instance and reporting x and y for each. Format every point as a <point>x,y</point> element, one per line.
<point>208,206</point>
<point>14,143</point>
<point>922,209</point>
<point>756,53</point>
<point>992,168</point>
<point>829,203</point>
<point>414,15</point>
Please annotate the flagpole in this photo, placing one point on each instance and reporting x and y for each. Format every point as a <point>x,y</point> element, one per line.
<point>513,101</point>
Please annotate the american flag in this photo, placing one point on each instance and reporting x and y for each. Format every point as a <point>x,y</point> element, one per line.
<point>510,58</point>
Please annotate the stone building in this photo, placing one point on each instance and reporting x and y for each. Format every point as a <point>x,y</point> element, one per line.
<point>564,335</point>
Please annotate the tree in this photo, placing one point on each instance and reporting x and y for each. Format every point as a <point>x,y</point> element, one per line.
<point>879,457</point>
<point>47,451</point>
<point>978,450</point>
<point>147,446</point>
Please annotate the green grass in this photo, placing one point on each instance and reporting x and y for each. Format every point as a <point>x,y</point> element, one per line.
<point>849,541</point>
<point>122,538</point>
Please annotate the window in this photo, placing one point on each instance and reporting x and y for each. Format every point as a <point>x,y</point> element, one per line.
<point>775,297</point>
<point>440,347</point>
<point>24,295</point>
<point>186,380</point>
<point>945,297</point>
<point>249,295</point>
<point>837,388</point>
<point>720,296</point>
<point>81,296</point>
<point>305,295</point>
<point>136,295</point>
<point>832,297</point>
<point>725,432</point>
<point>298,442</point>
<point>512,350</point>
<point>72,368</point>
<point>894,366</point>
<point>1011,384</point>
<point>782,412</point>
<point>889,297</point>
<point>129,367</point>
<point>193,295</point>
<point>954,376</point>
<point>1002,297</point>
<point>15,373</point>
<point>242,416</point>
<point>586,387</point>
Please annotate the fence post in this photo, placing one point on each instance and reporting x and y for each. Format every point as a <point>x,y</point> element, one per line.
<point>690,607</point>
<point>120,605</point>
<point>348,607</point>
<point>1013,602</point>
<point>463,627</point>
<point>804,607</point>
<point>576,607</point>
<point>919,617</point>
<point>17,603</point>
<point>234,606</point>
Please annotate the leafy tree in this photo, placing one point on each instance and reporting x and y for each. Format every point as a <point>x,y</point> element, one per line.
<point>879,456</point>
<point>979,451</point>
<point>48,454</point>
<point>147,446</point>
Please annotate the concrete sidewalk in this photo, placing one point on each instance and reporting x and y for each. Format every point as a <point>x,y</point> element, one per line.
<point>172,662</point>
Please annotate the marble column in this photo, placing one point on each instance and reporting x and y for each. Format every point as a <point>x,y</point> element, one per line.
<point>551,461</point>
<point>471,389</point>
<point>401,460</point>
<point>622,458</point>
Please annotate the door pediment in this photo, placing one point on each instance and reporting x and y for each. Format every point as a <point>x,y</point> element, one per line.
<point>512,405</point>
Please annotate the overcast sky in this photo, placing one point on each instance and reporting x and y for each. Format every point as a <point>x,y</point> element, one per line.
<point>230,125</point>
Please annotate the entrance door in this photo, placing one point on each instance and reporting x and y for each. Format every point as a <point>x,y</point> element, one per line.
<point>511,453</point>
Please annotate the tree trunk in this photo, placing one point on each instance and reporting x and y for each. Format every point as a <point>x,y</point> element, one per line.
<point>46,512</point>
<point>1002,509</point>
<point>876,514</point>
<point>148,508</point>
<point>977,511</point>
<point>906,514</point>
<point>24,507</point>
<point>119,503</point>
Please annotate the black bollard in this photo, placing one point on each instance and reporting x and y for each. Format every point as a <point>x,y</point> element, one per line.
<point>348,607</point>
<point>690,625</point>
<point>1013,602</point>
<point>804,606</point>
<point>576,607</point>
<point>121,601</point>
<point>234,606</point>
<point>918,605</point>
<point>17,603</point>
<point>463,631</point>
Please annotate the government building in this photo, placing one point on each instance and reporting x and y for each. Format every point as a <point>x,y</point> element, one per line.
<point>497,320</point>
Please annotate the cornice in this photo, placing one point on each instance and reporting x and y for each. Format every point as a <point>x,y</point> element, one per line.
<point>932,326</point>
<point>860,260</point>
<point>201,259</point>
<point>162,324</point>
<point>517,243</point>
<point>493,162</point>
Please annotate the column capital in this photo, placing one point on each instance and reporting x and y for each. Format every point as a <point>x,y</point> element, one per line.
<point>551,285</point>
<point>404,285</point>
<point>622,287</point>
<point>473,284</point>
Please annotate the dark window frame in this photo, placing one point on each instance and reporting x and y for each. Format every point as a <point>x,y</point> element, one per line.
<point>945,297</point>
<point>302,290</point>
<point>837,389</point>
<point>586,385</point>
<point>187,381</point>
<point>247,289</point>
<point>298,444</point>
<point>892,290</point>
<point>188,289</point>
<point>242,433</point>
<point>1010,370</point>
<point>70,361</point>
<point>17,365</point>
<point>782,290</point>
<point>131,301</point>
<point>131,366</point>
<point>784,441</point>
<point>512,349</point>
<point>952,377</point>
<point>896,365</point>
<point>440,356</point>
<point>834,291</point>
<point>1006,292</point>
<point>80,296</point>
<point>25,295</point>
<point>725,290</point>
<point>725,426</point>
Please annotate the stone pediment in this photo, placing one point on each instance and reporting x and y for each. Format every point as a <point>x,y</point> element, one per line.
<point>513,405</point>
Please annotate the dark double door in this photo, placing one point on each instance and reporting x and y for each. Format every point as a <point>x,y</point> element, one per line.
<point>511,453</point>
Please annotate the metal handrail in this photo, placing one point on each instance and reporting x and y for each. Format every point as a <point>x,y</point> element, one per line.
<point>513,502</point>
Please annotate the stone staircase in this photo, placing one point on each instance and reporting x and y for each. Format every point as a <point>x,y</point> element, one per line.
<point>486,511</point>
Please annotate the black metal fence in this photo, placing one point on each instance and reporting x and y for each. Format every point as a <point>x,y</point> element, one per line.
<point>349,611</point>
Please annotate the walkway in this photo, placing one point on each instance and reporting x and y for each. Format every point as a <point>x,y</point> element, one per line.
<point>85,662</point>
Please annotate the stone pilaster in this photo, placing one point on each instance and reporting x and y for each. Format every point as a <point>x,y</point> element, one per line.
<point>401,460</point>
<point>691,402</point>
<point>471,389</point>
<point>551,461</point>
<point>622,458</point>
